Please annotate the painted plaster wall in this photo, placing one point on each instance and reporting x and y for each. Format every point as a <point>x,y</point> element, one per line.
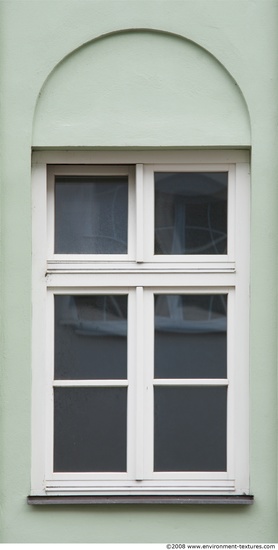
<point>140,88</point>
<point>228,47</point>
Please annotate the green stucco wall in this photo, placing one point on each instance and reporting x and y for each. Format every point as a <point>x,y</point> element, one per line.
<point>136,73</point>
<point>112,92</point>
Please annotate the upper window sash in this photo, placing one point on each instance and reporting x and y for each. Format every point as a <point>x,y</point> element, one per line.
<point>140,212</point>
<point>114,207</point>
<point>152,173</point>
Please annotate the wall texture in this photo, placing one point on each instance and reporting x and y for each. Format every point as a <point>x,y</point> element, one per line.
<point>112,92</point>
<point>136,73</point>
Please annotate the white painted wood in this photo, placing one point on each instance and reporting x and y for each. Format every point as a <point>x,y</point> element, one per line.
<point>50,212</point>
<point>89,383</point>
<point>149,205</point>
<point>128,274</point>
<point>188,258</point>
<point>149,377</point>
<point>90,170</point>
<point>85,265</point>
<point>132,384</point>
<point>71,169</point>
<point>150,217</point>
<point>139,428</point>
<point>49,391</point>
<point>190,382</point>
<point>181,281</point>
<point>131,255</point>
<point>197,479</point>
<point>232,402</point>
<point>139,214</point>
<point>232,217</point>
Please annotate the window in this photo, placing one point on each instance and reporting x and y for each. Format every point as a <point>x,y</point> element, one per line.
<point>140,323</point>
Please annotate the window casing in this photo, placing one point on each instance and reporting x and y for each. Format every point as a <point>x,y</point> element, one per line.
<point>146,301</point>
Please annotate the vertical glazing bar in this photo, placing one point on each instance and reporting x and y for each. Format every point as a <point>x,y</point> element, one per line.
<point>139,214</point>
<point>139,468</point>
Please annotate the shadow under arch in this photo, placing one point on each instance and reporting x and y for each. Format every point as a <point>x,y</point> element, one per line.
<point>239,130</point>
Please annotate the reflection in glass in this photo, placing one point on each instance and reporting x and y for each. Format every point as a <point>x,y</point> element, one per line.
<point>191,336</point>
<point>91,214</point>
<point>191,212</point>
<point>90,429</point>
<point>90,337</point>
<point>190,428</point>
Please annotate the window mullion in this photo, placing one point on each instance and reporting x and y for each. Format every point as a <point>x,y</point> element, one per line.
<point>148,383</point>
<point>139,213</point>
<point>139,430</point>
<point>148,230</point>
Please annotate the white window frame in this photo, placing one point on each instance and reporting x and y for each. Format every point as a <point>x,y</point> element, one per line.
<point>129,274</point>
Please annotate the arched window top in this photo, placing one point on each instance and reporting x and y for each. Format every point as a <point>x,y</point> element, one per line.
<point>140,88</point>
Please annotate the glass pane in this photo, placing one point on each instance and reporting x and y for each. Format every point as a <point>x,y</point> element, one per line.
<point>191,336</point>
<point>90,429</point>
<point>91,214</point>
<point>190,428</point>
<point>90,337</point>
<point>191,212</point>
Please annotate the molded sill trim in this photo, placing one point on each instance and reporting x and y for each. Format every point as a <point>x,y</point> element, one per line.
<point>149,499</point>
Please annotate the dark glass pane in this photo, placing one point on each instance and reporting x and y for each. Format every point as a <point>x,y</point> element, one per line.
<point>90,337</point>
<point>190,428</point>
<point>191,212</point>
<point>191,336</point>
<point>90,429</point>
<point>91,214</point>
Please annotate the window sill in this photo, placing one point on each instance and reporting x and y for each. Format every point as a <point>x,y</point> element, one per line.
<point>188,499</point>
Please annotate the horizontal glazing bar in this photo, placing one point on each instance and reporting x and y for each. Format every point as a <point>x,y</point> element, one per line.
<point>119,263</point>
<point>75,383</point>
<point>191,382</point>
<point>157,280</point>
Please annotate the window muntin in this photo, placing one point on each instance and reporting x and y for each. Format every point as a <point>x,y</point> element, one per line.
<point>145,280</point>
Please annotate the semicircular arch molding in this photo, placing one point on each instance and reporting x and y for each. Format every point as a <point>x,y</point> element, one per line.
<point>140,88</point>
